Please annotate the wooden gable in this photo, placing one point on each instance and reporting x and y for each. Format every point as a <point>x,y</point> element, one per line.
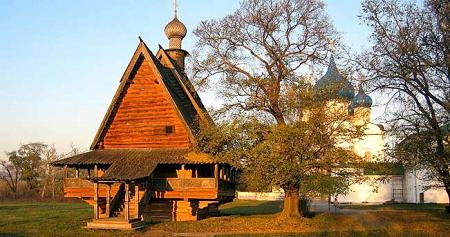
<point>146,111</point>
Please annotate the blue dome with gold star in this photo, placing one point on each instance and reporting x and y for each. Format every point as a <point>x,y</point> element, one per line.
<point>333,84</point>
<point>361,99</point>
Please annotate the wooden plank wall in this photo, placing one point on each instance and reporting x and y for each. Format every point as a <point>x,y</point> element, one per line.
<point>142,116</point>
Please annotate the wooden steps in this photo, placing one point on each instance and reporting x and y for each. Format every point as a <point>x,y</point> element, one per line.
<point>116,223</point>
<point>132,206</point>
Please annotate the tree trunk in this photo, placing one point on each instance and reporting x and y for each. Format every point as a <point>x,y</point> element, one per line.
<point>291,206</point>
<point>44,188</point>
<point>14,193</point>
<point>447,189</point>
<point>53,183</point>
<point>329,202</point>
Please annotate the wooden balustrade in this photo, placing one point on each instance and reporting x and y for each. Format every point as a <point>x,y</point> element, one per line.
<point>180,184</point>
<point>82,188</point>
<point>196,188</point>
<point>77,183</point>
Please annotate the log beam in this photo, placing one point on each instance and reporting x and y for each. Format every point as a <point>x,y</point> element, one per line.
<point>216,174</point>
<point>96,212</point>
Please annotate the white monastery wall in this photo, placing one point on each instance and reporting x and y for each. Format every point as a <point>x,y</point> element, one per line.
<point>414,186</point>
<point>366,193</point>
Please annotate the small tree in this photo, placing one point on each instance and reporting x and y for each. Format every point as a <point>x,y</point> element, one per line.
<point>10,173</point>
<point>24,164</point>
<point>30,156</point>
<point>48,172</point>
<point>307,155</point>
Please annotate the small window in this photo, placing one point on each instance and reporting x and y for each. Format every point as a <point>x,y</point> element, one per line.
<point>367,156</point>
<point>170,129</point>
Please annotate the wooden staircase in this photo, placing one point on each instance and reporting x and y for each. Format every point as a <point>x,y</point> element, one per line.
<point>134,212</point>
<point>117,219</point>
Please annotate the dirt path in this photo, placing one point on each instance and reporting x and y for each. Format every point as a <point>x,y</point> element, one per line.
<point>322,206</point>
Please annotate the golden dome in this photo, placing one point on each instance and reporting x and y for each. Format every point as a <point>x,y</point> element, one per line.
<point>175,29</point>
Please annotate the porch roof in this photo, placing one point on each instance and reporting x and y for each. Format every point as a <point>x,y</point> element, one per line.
<point>134,164</point>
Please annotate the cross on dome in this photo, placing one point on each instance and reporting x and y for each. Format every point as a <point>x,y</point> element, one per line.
<point>175,30</point>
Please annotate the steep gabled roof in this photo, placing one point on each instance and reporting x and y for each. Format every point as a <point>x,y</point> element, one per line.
<point>187,107</point>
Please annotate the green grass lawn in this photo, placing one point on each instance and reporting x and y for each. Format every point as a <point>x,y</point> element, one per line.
<point>240,218</point>
<point>47,219</point>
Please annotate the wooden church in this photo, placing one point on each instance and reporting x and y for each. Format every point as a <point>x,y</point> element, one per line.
<point>141,166</point>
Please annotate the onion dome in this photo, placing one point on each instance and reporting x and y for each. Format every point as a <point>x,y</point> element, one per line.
<point>175,32</point>
<point>361,99</point>
<point>334,83</point>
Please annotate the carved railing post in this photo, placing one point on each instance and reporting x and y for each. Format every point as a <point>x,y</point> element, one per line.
<point>108,201</point>
<point>136,198</point>
<point>95,171</point>
<point>216,175</point>
<point>65,171</point>
<point>127,201</point>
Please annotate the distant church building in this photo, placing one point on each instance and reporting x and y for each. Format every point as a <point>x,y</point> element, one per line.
<point>401,185</point>
<point>141,165</point>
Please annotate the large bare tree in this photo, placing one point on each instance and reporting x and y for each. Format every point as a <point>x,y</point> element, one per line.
<point>256,56</point>
<point>259,49</point>
<point>410,62</point>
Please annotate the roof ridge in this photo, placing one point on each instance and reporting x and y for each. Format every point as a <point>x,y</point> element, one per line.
<point>189,87</point>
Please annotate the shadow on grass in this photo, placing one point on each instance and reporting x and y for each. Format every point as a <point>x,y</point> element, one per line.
<point>262,208</point>
<point>315,234</point>
<point>437,210</point>
<point>249,209</point>
<point>11,235</point>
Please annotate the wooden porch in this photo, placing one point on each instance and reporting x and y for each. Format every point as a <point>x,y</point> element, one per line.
<point>220,187</point>
<point>124,204</point>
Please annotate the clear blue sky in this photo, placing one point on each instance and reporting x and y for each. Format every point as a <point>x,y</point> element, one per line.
<point>61,60</point>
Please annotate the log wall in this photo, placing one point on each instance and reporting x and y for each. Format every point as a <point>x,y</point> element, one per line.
<point>143,114</point>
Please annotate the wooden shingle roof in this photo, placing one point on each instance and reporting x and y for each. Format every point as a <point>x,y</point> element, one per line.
<point>134,164</point>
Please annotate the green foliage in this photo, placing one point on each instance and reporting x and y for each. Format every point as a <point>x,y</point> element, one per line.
<point>30,165</point>
<point>383,168</point>
<point>28,158</point>
<point>307,153</point>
